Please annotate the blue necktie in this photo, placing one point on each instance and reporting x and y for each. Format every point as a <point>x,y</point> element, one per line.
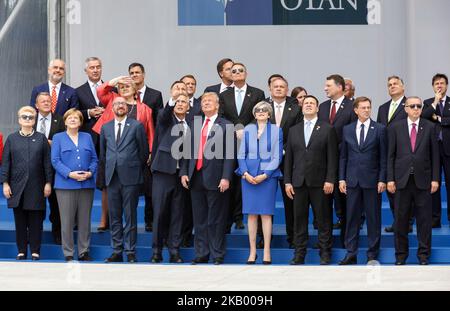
<point>239,101</point>
<point>308,132</point>
<point>361,135</point>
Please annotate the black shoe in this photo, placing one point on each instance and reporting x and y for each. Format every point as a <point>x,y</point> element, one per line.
<point>35,257</point>
<point>297,260</point>
<point>114,258</point>
<point>75,228</point>
<point>68,258</point>
<point>423,262</point>
<point>131,258</point>
<point>436,225</point>
<point>218,261</point>
<point>239,225</point>
<point>187,241</point>
<point>200,260</point>
<point>316,245</point>
<point>84,257</point>
<point>348,261</point>
<point>102,229</point>
<point>21,256</point>
<point>400,262</point>
<point>156,258</point>
<point>149,227</point>
<point>176,258</point>
<point>337,225</point>
<point>315,225</point>
<point>389,229</point>
<point>252,262</point>
<point>325,260</point>
<point>267,262</point>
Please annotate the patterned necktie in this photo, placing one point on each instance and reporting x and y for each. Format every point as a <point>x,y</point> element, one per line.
<point>308,132</point>
<point>361,135</point>
<point>201,147</point>
<point>333,112</point>
<point>392,110</point>
<point>413,137</point>
<point>278,115</point>
<point>54,99</point>
<point>239,101</point>
<point>95,86</point>
<point>138,97</point>
<point>118,133</point>
<point>43,127</point>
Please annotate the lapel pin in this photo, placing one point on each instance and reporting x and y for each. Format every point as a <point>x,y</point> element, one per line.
<point>317,128</point>
<point>128,124</point>
<point>33,140</point>
<point>290,109</point>
<point>372,127</point>
<point>249,94</point>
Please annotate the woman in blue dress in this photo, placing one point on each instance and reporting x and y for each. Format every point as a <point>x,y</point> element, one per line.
<point>259,158</point>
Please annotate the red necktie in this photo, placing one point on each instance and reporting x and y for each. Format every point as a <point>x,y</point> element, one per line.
<point>333,112</point>
<point>54,99</point>
<point>201,148</point>
<point>413,137</point>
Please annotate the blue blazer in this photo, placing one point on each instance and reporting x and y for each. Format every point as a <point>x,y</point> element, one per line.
<point>263,156</point>
<point>365,165</point>
<point>66,158</point>
<point>67,97</point>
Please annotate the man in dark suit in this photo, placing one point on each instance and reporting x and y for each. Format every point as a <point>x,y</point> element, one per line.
<point>49,124</point>
<point>194,103</point>
<point>413,175</point>
<point>286,114</point>
<point>389,113</point>
<point>224,71</point>
<point>168,193</point>
<point>437,110</point>
<point>63,96</point>
<point>337,111</point>
<point>208,174</point>
<point>236,105</point>
<point>153,99</point>
<point>124,150</point>
<point>310,172</point>
<point>362,177</point>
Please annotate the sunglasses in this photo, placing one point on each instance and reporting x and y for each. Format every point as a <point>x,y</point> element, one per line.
<point>240,70</point>
<point>27,117</point>
<point>261,110</point>
<point>415,106</point>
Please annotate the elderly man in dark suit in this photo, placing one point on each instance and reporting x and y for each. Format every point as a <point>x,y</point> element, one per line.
<point>362,177</point>
<point>49,124</point>
<point>124,150</point>
<point>413,175</point>
<point>63,96</point>
<point>208,174</point>
<point>310,172</point>
<point>224,71</point>
<point>236,105</point>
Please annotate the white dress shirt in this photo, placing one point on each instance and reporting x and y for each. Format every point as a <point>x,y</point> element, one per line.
<point>211,123</point>
<point>358,129</point>
<point>141,95</point>
<point>338,104</point>
<point>410,126</point>
<point>58,88</point>
<point>48,123</point>
<point>224,87</point>
<point>116,127</point>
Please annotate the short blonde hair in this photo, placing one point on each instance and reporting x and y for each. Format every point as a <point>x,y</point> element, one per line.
<point>26,109</point>
<point>265,105</point>
<point>71,112</point>
<point>211,94</point>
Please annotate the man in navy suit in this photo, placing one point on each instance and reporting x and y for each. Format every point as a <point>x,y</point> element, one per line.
<point>389,113</point>
<point>194,103</point>
<point>437,110</point>
<point>208,175</point>
<point>362,177</point>
<point>168,193</point>
<point>224,71</point>
<point>124,150</point>
<point>153,99</point>
<point>413,175</point>
<point>337,111</point>
<point>63,96</point>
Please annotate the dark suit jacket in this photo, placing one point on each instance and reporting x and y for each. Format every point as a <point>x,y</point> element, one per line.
<point>228,108</point>
<point>57,125</point>
<point>345,115</point>
<point>291,116</point>
<point>213,88</point>
<point>399,114</point>
<point>153,99</point>
<point>86,101</point>
<point>196,110</point>
<point>67,97</point>
<point>444,126</point>
<point>366,165</point>
<point>129,157</point>
<point>162,159</point>
<point>213,169</point>
<point>424,159</point>
<point>27,168</point>
<point>315,164</point>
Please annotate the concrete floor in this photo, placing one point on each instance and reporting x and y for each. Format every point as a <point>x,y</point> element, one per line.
<point>31,276</point>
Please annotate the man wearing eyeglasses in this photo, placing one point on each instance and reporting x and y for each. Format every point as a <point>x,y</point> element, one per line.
<point>413,175</point>
<point>236,105</point>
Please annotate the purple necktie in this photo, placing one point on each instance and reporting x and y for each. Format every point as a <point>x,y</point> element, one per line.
<point>413,137</point>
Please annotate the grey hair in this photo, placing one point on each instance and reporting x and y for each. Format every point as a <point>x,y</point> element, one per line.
<point>263,104</point>
<point>91,59</point>
<point>50,64</point>
<point>353,84</point>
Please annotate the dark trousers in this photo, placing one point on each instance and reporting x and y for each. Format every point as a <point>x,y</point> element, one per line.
<point>123,200</point>
<point>148,210</point>
<point>54,216</point>
<point>437,204</point>
<point>235,201</point>
<point>340,209</point>
<point>314,196</point>
<point>361,201</point>
<point>188,222</point>
<point>423,212</point>
<point>28,229</point>
<point>168,212</point>
<point>288,213</point>
<point>210,216</point>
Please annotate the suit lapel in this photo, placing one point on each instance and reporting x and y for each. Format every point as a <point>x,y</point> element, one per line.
<point>400,107</point>
<point>286,112</point>
<point>246,100</point>
<point>62,94</point>
<point>87,90</point>
<point>125,130</point>
<point>315,132</point>
<point>340,110</point>
<point>406,132</point>
<point>370,135</point>
<point>420,130</point>
<point>232,99</point>
<point>53,125</point>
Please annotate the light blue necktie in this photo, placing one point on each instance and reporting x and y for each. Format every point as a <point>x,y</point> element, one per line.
<point>239,101</point>
<point>308,132</point>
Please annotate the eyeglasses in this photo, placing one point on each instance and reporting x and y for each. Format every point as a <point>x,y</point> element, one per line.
<point>119,103</point>
<point>27,117</point>
<point>240,70</point>
<point>415,106</point>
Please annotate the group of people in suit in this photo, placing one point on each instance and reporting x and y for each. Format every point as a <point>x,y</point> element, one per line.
<point>204,163</point>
